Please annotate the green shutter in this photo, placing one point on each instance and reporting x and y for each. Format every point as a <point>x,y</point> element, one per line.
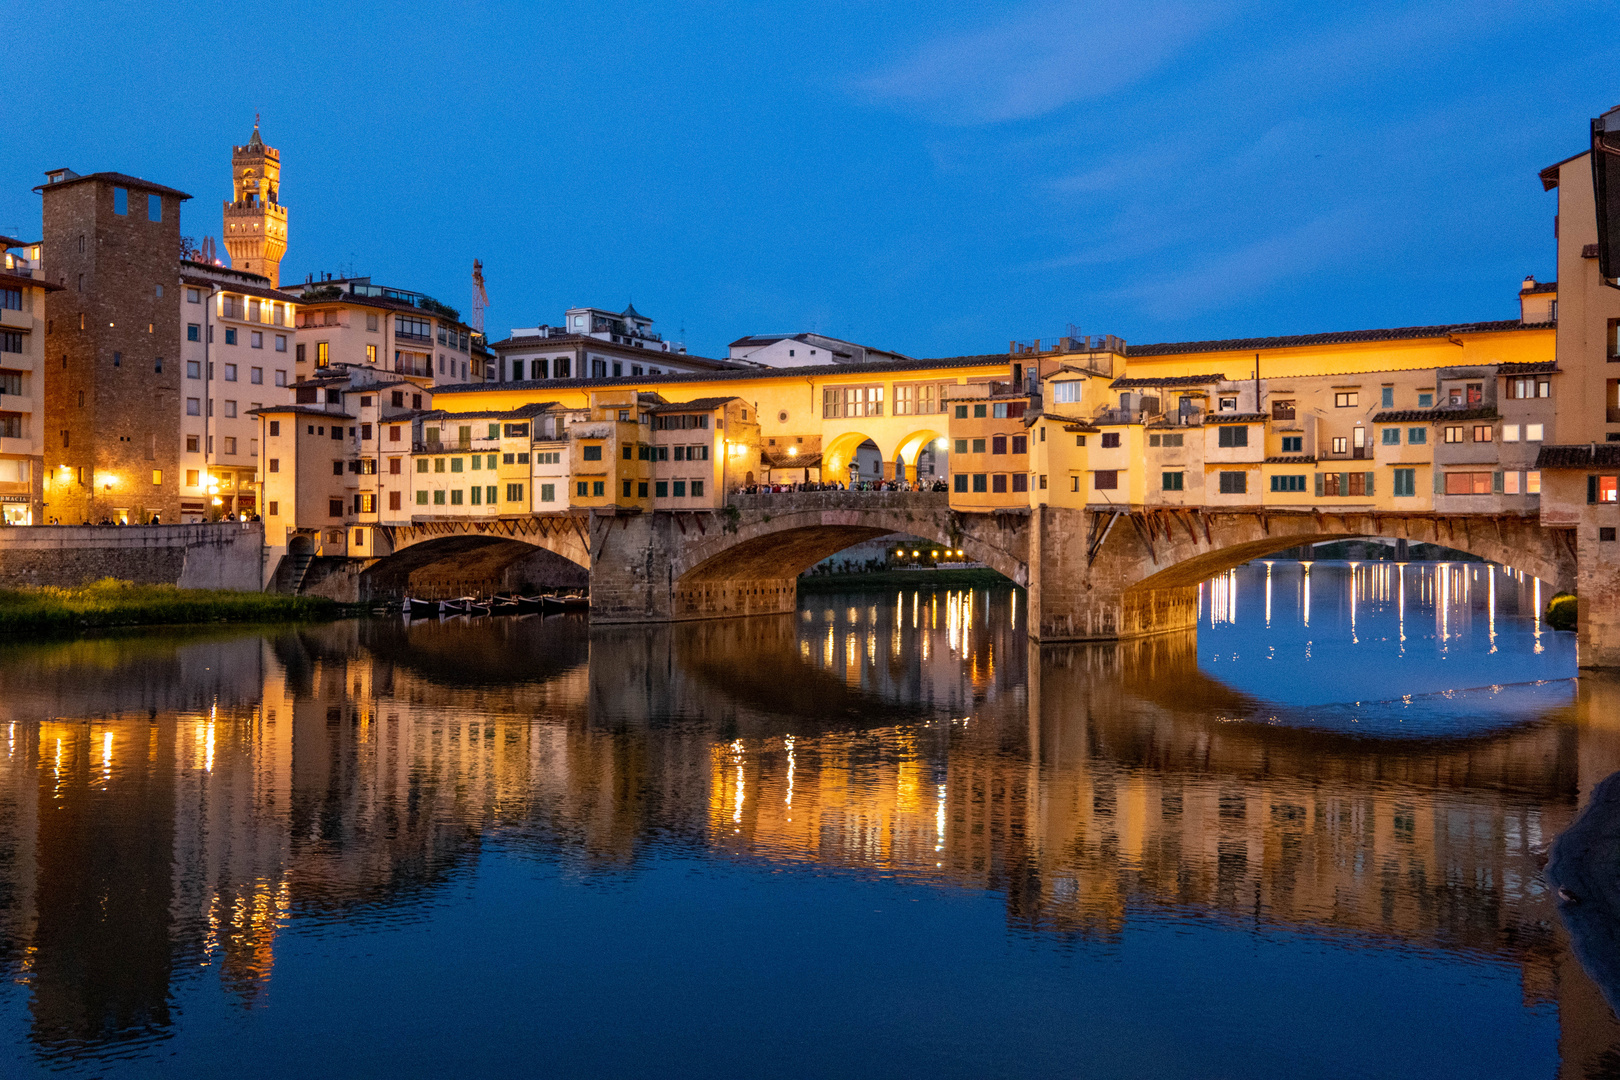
<point>1370,482</point>
<point>1344,483</point>
<point>1439,482</point>
<point>1318,485</point>
<point>1591,489</point>
<point>1496,483</point>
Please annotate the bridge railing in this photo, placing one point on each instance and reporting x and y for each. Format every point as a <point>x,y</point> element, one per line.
<point>783,501</point>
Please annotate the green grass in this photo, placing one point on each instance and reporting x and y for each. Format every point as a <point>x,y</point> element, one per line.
<point>111,602</point>
<point>915,579</point>
<point>1562,611</point>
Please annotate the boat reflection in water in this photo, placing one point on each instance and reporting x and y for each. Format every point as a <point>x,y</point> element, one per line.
<point>1268,849</point>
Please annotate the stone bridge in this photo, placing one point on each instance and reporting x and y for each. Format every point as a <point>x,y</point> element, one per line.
<point>1099,573</point>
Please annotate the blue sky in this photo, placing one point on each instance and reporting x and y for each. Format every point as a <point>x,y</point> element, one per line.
<point>937,178</point>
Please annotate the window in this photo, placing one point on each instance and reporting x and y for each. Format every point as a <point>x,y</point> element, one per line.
<point>981,482</point>
<point>591,453</point>
<point>1532,432</point>
<point>193,406</point>
<point>1234,483</point>
<point>193,333</point>
<point>978,412</point>
<point>193,369</point>
<point>154,210</point>
<point>1232,436</point>
<point>407,326</point>
<point>1341,445</point>
<point>1510,432</point>
<point>281,378</point>
<point>323,353</point>
<point>1387,397</point>
<point>230,408</point>
<point>680,488</point>
<point>421,498</point>
<point>1067,392</point>
<point>960,482</point>
<point>393,466</point>
<point>1532,482</point>
<point>230,445</point>
<point>1510,483</point>
<point>1405,482</point>
<point>1020,482</point>
<point>1020,444</point>
<point>1110,439</point>
<point>1417,436</point>
<point>1482,432</point>
<point>456,464</point>
<point>1288,483</point>
<point>1426,399</point>
<point>456,497</point>
<point>334,508</point>
<point>599,488</point>
<point>1391,436</point>
<point>230,372</point>
<point>1167,441</point>
<point>1469,483</point>
<point>256,376</point>
<point>230,335</point>
<point>998,444</point>
<point>438,498</point>
<point>1454,434</point>
<point>1345,399</point>
<point>1105,480</point>
<point>978,446</point>
<point>1172,481</point>
<point>548,492</point>
<point>255,339</point>
<point>697,488</point>
<point>998,483</point>
<point>120,200</point>
<point>961,410</point>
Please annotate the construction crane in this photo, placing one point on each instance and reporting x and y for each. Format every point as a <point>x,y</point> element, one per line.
<point>480,298</point>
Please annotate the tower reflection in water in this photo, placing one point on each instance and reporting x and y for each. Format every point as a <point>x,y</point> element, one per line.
<point>196,798</point>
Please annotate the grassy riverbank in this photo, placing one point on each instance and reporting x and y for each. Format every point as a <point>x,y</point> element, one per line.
<point>903,579</point>
<point>110,602</point>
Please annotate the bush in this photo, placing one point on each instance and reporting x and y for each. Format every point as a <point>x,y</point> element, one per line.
<point>1561,612</point>
<point>111,602</point>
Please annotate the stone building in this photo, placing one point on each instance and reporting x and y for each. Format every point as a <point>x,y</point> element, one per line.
<point>255,219</point>
<point>112,343</point>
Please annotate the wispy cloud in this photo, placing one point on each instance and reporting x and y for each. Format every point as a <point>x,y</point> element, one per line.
<point>1039,60</point>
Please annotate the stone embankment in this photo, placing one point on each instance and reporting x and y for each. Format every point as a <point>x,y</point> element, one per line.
<point>227,555</point>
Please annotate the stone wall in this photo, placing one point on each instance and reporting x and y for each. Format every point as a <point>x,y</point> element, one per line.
<point>223,556</point>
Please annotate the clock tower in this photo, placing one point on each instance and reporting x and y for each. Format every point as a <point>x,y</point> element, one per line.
<point>255,221</point>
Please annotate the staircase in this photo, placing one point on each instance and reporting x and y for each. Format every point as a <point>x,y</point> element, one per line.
<point>291,573</point>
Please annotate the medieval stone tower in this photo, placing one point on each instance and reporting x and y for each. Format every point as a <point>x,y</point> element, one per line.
<point>256,222</point>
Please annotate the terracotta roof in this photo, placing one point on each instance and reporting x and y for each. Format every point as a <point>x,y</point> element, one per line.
<point>304,410</point>
<point>18,280</point>
<point>1340,337</point>
<point>733,373</point>
<point>1434,416</point>
<point>522,412</point>
<point>243,288</point>
<point>1130,382</point>
<point>1549,175</point>
<point>1235,417</point>
<point>1292,459</point>
<point>1589,456</point>
<point>1540,287</point>
<point>695,405</point>
<point>121,179</point>
<point>1589,251</point>
<point>1539,367</point>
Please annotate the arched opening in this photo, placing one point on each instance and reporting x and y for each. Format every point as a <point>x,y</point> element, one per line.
<point>851,457</point>
<point>470,565</point>
<point>917,458</point>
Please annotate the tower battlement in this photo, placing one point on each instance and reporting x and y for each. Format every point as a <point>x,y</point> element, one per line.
<point>255,220</point>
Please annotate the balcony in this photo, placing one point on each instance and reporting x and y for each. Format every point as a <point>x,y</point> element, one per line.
<point>440,447</point>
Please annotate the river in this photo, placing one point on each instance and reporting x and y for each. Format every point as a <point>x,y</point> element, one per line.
<point>882,836</point>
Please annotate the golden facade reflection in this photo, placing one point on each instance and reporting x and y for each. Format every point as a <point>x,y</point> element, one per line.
<point>191,798</point>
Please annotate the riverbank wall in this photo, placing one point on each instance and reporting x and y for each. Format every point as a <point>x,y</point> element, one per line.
<point>225,555</point>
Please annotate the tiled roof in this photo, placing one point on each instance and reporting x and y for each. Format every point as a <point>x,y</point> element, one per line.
<point>621,351</point>
<point>1236,417</point>
<point>522,412</point>
<point>734,373</point>
<point>1540,287</point>
<point>1589,251</point>
<point>1589,456</point>
<point>121,179</point>
<point>702,404</point>
<point>1292,459</point>
<point>1342,337</point>
<point>13,281</point>
<point>1132,382</point>
<point>243,288</point>
<point>1434,416</point>
<point>1540,367</point>
<point>305,410</point>
<point>1549,175</point>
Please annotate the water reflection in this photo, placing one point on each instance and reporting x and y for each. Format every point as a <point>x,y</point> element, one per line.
<point>177,814</point>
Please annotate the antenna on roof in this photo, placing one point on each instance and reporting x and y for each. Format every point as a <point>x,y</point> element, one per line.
<point>480,298</point>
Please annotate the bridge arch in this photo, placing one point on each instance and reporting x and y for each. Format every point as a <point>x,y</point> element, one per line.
<point>838,452</point>
<point>752,569</point>
<point>908,452</point>
<point>438,560</point>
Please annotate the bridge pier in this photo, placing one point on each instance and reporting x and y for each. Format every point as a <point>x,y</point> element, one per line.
<point>1084,587</point>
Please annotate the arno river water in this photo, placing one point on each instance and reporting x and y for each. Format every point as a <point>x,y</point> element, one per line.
<point>884,836</point>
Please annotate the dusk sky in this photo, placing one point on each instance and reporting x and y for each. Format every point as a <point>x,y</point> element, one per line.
<point>934,178</point>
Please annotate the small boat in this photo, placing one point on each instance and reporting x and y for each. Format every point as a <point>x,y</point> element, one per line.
<point>504,606</point>
<point>566,603</point>
<point>530,605</point>
<point>421,609</point>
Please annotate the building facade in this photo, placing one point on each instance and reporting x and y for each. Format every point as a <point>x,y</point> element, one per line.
<point>22,383</point>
